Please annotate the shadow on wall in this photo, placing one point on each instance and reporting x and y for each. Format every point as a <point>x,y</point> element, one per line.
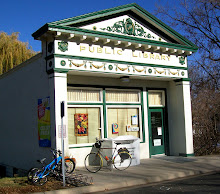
<point>2,171</point>
<point>10,171</point>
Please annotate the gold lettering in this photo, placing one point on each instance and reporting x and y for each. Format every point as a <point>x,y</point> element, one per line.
<point>133,54</point>
<point>145,55</point>
<point>157,57</point>
<point>82,48</point>
<point>91,49</point>
<point>99,50</point>
<point>163,57</point>
<point>106,51</point>
<point>168,57</point>
<point>151,56</point>
<point>119,52</point>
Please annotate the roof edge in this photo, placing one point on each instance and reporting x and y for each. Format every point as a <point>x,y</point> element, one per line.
<point>40,31</point>
<point>107,12</point>
<point>100,12</point>
<point>165,26</point>
<point>21,65</point>
<point>68,29</point>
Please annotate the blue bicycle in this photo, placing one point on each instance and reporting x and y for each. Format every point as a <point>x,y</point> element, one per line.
<point>39,176</point>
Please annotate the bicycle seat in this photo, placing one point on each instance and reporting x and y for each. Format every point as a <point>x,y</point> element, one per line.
<point>117,143</point>
<point>42,160</point>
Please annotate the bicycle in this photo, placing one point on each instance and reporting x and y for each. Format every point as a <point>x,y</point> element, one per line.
<point>94,161</point>
<point>39,176</point>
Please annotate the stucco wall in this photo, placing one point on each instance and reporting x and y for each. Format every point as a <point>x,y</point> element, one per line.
<point>20,90</point>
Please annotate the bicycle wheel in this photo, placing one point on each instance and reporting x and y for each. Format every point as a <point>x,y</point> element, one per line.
<point>122,161</point>
<point>69,166</point>
<point>30,174</point>
<point>93,162</point>
<point>38,178</point>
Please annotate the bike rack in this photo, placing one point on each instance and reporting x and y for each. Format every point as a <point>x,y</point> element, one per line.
<point>78,180</point>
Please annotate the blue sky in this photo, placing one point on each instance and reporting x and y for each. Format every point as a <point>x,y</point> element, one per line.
<point>27,16</point>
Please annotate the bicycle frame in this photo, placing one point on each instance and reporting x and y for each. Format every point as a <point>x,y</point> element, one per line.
<point>120,160</point>
<point>48,168</point>
<point>102,156</point>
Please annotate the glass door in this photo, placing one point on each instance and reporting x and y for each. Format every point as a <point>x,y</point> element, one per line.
<point>156,131</point>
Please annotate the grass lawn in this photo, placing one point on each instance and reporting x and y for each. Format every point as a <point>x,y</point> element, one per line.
<point>21,185</point>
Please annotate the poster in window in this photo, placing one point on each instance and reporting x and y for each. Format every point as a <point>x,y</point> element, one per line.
<point>157,142</point>
<point>134,120</point>
<point>81,124</point>
<point>159,130</point>
<point>130,128</point>
<point>115,128</point>
<point>43,110</point>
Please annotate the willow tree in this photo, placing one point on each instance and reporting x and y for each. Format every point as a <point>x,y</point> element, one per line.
<point>12,51</point>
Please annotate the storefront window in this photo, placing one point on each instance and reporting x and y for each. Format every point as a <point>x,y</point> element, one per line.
<point>86,119</point>
<point>83,95</point>
<point>84,124</point>
<point>123,121</point>
<point>156,98</point>
<point>122,96</point>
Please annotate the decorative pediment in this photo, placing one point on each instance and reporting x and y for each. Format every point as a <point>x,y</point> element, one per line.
<point>125,25</point>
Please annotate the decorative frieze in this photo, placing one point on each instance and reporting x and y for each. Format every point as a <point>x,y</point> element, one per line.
<point>105,67</point>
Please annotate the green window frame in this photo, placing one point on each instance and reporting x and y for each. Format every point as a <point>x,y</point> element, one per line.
<point>104,105</point>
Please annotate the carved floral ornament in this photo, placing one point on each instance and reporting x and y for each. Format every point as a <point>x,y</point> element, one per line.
<point>63,46</point>
<point>128,27</point>
<point>182,60</point>
<point>123,68</point>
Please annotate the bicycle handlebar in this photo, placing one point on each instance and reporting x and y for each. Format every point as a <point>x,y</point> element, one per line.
<point>98,140</point>
<point>98,143</point>
<point>55,152</point>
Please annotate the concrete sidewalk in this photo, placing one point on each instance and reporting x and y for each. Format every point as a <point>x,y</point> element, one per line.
<point>149,171</point>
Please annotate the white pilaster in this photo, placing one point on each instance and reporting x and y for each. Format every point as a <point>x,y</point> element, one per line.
<point>59,93</point>
<point>145,151</point>
<point>185,112</point>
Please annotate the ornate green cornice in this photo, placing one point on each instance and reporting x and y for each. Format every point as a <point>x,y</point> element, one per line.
<point>61,70</point>
<point>80,31</point>
<point>183,79</point>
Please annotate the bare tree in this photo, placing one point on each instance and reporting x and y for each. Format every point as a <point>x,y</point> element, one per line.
<point>205,111</point>
<point>199,21</point>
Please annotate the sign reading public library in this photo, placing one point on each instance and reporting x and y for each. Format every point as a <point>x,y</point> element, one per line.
<point>85,57</point>
<point>118,54</point>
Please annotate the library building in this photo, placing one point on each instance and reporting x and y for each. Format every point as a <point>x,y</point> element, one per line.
<point>122,75</point>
